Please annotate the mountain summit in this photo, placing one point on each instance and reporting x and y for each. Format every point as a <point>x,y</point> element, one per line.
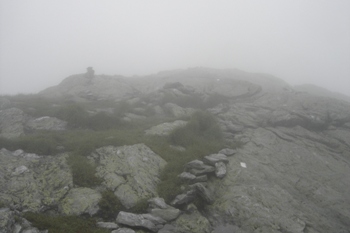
<point>195,150</point>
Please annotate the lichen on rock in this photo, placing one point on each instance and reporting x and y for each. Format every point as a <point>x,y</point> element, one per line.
<point>131,172</point>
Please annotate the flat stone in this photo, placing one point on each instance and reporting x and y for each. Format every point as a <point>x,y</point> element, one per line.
<point>214,158</point>
<point>157,202</point>
<point>206,169</point>
<point>202,178</point>
<point>197,164</point>
<point>166,214</point>
<point>157,220</point>
<point>197,168</point>
<point>184,198</point>
<point>192,178</point>
<point>187,176</point>
<point>228,151</point>
<point>135,220</point>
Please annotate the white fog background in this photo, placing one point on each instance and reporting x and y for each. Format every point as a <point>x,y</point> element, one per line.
<point>301,41</point>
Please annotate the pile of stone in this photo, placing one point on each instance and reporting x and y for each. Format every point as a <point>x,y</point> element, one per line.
<point>196,173</point>
<point>161,214</point>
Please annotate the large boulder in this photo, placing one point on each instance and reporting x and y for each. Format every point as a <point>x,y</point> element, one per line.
<point>33,182</point>
<point>131,172</point>
<point>46,123</point>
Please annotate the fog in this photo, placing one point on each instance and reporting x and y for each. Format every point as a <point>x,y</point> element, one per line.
<point>42,42</point>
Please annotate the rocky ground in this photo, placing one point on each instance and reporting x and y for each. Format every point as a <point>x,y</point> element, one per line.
<point>291,172</point>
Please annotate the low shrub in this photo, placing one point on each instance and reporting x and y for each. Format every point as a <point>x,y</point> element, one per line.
<point>60,224</point>
<point>83,171</point>
<point>2,205</point>
<point>202,126</point>
<point>74,114</point>
<point>42,143</point>
<point>109,206</point>
<point>140,207</point>
<point>201,137</point>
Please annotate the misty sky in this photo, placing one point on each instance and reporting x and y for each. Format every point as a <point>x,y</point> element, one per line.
<point>301,41</point>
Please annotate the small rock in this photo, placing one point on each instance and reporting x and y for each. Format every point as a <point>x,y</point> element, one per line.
<point>18,152</point>
<point>31,156</point>
<point>19,170</point>
<point>220,170</point>
<point>108,225</point>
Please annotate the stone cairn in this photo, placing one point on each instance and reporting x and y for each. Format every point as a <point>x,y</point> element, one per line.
<point>159,213</point>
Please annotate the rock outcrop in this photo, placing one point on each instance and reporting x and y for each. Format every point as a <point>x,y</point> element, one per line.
<point>292,168</point>
<point>131,172</point>
<point>31,182</point>
<point>14,123</point>
<point>290,171</point>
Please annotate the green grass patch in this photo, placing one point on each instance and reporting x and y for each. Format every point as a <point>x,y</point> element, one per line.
<point>200,137</point>
<point>83,172</point>
<point>109,206</point>
<point>201,127</point>
<point>66,224</point>
<point>82,142</point>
